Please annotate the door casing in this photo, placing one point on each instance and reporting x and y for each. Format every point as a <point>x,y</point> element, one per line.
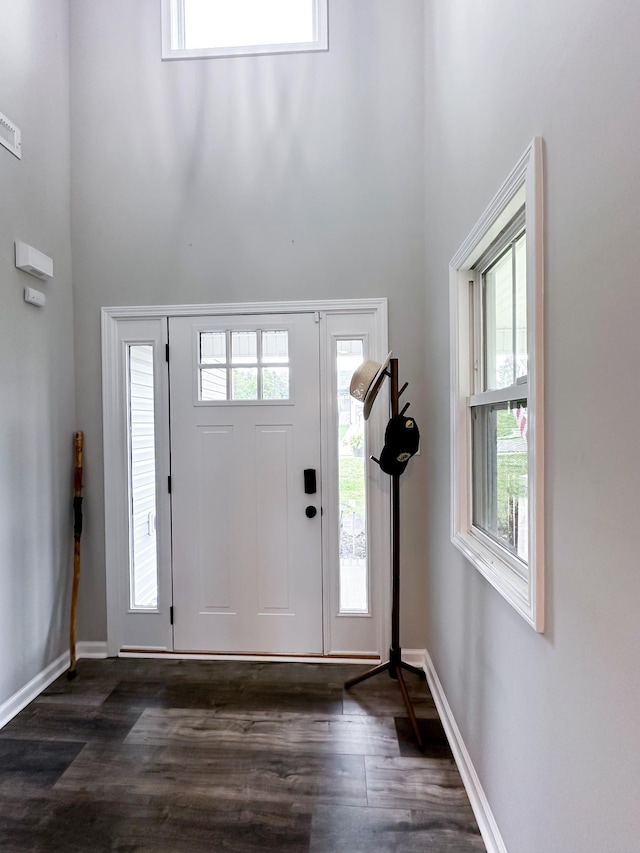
<point>134,324</point>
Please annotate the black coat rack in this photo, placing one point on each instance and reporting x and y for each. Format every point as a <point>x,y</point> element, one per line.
<point>395,665</point>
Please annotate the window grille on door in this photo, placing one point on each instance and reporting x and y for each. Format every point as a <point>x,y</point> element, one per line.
<point>248,365</point>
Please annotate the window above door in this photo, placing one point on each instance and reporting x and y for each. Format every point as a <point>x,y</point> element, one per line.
<point>196,29</point>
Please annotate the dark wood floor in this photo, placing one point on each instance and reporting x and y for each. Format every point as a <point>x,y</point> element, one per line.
<point>138,755</point>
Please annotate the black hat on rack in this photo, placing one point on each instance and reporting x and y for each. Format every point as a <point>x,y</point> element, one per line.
<point>401,442</point>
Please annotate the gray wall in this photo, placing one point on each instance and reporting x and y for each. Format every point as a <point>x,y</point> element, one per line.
<point>551,721</point>
<point>234,180</point>
<point>37,416</point>
<point>310,177</point>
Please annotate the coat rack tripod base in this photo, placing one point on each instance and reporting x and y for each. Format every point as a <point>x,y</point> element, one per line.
<point>395,665</point>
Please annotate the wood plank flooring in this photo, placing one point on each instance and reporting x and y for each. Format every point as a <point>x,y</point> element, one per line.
<point>152,755</point>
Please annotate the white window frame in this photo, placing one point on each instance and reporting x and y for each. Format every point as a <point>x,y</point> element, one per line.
<point>173,35</point>
<point>344,628</point>
<point>143,628</point>
<point>521,584</point>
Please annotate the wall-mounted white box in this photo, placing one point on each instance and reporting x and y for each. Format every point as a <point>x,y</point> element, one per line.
<point>34,262</point>
<point>34,297</point>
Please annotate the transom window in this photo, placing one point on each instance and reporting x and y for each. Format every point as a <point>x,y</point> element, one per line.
<point>243,365</point>
<point>210,28</point>
<point>497,449</point>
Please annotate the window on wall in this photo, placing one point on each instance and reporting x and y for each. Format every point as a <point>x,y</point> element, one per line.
<point>497,470</point>
<point>210,28</point>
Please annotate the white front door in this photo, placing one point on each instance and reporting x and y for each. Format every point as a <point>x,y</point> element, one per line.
<point>245,424</point>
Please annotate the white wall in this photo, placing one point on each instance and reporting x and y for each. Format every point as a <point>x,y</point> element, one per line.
<point>36,346</point>
<point>551,721</point>
<point>246,179</point>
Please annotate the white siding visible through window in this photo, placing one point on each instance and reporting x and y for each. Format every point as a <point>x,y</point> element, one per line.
<point>142,478</point>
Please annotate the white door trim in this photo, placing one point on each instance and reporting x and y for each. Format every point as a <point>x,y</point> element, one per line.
<point>114,415</point>
<point>376,305</point>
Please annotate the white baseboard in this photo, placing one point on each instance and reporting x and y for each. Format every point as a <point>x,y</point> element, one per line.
<point>161,654</point>
<point>477,797</point>
<point>414,657</point>
<point>14,704</point>
<point>33,688</point>
<point>91,650</point>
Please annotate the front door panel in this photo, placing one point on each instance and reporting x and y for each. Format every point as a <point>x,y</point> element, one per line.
<point>245,423</point>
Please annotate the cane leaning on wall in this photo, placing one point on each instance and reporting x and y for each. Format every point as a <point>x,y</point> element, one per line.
<point>77,533</point>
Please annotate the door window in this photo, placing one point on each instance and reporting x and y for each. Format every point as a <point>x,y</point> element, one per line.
<point>247,365</point>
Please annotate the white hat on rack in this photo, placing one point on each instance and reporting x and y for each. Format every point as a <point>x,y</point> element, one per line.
<point>366,381</point>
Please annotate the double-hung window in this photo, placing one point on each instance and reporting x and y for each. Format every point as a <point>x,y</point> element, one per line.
<point>497,470</point>
<point>193,29</point>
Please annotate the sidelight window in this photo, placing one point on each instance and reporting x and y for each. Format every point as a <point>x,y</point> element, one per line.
<point>142,478</point>
<point>351,483</point>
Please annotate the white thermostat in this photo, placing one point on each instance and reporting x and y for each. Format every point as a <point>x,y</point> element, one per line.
<point>34,262</point>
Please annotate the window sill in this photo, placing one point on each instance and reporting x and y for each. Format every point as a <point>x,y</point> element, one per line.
<point>501,575</point>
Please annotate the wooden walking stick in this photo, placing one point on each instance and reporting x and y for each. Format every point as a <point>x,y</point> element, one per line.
<point>77,533</point>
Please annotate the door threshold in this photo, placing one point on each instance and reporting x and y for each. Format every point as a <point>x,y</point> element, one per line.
<point>244,656</point>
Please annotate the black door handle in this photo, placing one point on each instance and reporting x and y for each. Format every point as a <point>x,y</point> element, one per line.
<point>311,512</point>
